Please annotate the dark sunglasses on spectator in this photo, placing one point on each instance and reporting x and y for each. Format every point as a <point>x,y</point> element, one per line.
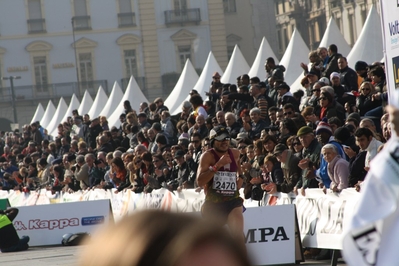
<point>296,143</point>
<point>241,147</point>
<point>155,161</point>
<point>288,113</point>
<point>318,90</point>
<point>365,89</point>
<point>170,160</point>
<point>216,77</point>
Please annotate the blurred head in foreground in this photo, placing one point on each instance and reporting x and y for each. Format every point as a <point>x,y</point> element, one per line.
<point>155,238</point>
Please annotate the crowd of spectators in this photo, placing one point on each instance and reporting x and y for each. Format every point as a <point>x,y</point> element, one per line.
<point>321,136</point>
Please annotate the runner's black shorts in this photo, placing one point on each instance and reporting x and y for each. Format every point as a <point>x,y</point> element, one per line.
<point>220,210</point>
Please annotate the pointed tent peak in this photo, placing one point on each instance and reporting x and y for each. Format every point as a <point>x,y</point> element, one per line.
<point>113,100</point>
<point>265,51</point>
<point>237,66</point>
<point>132,94</point>
<point>48,114</point>
<point>38,113</point>
<point>186,82</point>
<point>86,103</point>
<point>139,95</point>
<point>99,102</point>
<point>211,66</point>
<point>58,115</point>
<point>296,53</point>
<point>73,105</point>
<point>332,35</point>
<point>369,46</point>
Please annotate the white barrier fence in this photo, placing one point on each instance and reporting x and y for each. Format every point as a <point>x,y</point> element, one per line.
<point>321,217</point>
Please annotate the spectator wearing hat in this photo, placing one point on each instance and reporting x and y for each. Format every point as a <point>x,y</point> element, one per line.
<point>332,64</point>
<point>291,171</point>
<point>324,136</point>
<point>312,78</point>
<point>310,159</point>
<point>348,75</point>
<point>160,107</point>
<point>180,173</point>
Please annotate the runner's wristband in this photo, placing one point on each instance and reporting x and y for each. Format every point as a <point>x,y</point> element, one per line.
<point>213,168</point>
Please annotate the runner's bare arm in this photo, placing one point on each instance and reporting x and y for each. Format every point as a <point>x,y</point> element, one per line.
<point>204,175</point>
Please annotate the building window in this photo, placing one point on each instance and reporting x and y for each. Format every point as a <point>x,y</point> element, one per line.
<point>126,18</point>
<point>36,21</point>
<point>41,77</point>
<point>352,28</point>
<point>81,20</point>
<point>85,70</point>
<point>130,63</point>
<point>184,54</point>
<point>229,6</point>
<point>180,4</point>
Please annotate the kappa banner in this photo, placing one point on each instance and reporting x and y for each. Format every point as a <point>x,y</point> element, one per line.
<point>322,218</point>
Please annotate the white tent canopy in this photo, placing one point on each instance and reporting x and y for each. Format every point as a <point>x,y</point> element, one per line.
<point>186,82</point>
<point>74,104</point>
<point>86,104</point>
<point>204,81</point>
<point>368,46</point>
<point>333,35</point>
<point>296,53</point>
<point>237,66</point>
<point>38,114</point>
<point>48,114</point>
<point>134,95</point>
<point>113,101</point>
<point>264,52</point>
<point>57,116</point>
<point>99,102</point>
